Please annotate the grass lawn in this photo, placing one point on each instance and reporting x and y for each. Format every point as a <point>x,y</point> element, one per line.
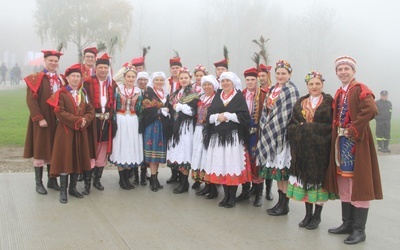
<point>14,117</point>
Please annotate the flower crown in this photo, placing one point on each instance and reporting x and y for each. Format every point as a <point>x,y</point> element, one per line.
<point>184,70</point>
<point>130,68</point>
<point>283,64</point>
<point>313,74</point>
<point>200,67</point>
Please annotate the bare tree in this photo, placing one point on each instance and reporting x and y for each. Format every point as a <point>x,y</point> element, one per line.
<point>84,22</point>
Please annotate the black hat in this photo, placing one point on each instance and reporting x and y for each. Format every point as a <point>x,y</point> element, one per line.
<point>384,93</point>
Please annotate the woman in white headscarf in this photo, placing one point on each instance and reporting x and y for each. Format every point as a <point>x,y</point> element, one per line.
<point>154,125</point>
<point>225,136</point>
<point>209,85</point>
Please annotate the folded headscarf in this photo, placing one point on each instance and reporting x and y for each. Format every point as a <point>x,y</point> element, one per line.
<point>237,84</point>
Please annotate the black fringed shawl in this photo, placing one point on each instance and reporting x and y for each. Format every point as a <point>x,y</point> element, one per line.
<point>310,142</point>
<point>189,97</point>
<point>150,111</point>
<point>226,130</point>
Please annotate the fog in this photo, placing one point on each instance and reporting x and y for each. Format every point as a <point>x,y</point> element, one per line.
<point>309,34</point>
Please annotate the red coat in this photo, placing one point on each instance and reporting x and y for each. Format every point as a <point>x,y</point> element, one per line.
<point>71,143</point>
<point>366,175</point>
<point>39,140</point>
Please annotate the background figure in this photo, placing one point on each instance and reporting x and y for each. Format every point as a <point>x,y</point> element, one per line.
<point>17,73</point>
<point>383,118</point>
<point>309,135</point>
<point>3,72</point>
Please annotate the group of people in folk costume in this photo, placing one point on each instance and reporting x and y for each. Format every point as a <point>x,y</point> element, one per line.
<point>317,147</point>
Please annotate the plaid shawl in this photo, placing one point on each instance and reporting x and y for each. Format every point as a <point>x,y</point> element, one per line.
<point>273,126</point>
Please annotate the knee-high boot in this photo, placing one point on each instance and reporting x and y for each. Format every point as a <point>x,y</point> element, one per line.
<point>143,172</point>
<point>358,235</point>
<point>87,178</point>
<point>316,218</point>
<point>204,191</point>
<point>309,214</point>
<point>128,182</point>
<point>51,181</point>
<point>283,209</point>
<point>226,196</point>
<point>245,195</point>
<point>72,186</point>
<point>184,186</point>
<point>174,176</point>
<point>97,173</point>
<point>280,193</point>
<point>347,218</point>
<point>122,179</point>
<point>213,192</point>
<point>135,175</point>
<point>268,194</point>
<point>259,192</point>
<point>153,183</point>
<point>38,178</point>
<point>63,188</point>
<point>232,196</point>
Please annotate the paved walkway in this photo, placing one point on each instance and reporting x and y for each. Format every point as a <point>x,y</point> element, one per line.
<point>142,219</point>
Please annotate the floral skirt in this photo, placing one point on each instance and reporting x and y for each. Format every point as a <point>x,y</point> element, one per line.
<point>155,147</point>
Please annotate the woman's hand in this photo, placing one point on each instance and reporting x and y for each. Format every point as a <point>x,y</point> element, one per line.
<point>43,123</point>
<point>222,118</point>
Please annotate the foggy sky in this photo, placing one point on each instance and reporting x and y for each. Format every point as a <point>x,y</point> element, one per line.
<point>198,29</point>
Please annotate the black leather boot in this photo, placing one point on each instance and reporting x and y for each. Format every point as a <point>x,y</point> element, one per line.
<point>283,209</point>
<point>347,218</point>
<point>63,188</point>
<point>226,197</point>
<point>316,218</point>
<point>128,182</point>
<point>245,195</point>
<point>52,181</point>
<point>232,196</point>
<point>358,235</point>
<point>213,192</point>
<point>174,176</point>
<point>72,186</point>
<point>97,173</point>
<point>196,185</point>
<point>280,193</point>
<point>143,177</point>
<point>309,214</point>
<point>184,186</point>
<point>38,178</point>
<point>268,194</point>
<point>258,192</point>
<point>135,175</point>
<point>80,177</point>
<point>153,183</point>
<point>122,180</point>
<point>159,186</point>
<point>87,178</point>
<point>204,191</point>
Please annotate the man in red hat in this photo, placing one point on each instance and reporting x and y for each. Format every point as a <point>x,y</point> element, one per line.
<point>100,89</point>
<point>89,59</point>
<point>139,64</point>
<point>221,67</point>
<point>254,99</point>
<point>174,65</point>
<point>42,122</point>
<point>264,75</point>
